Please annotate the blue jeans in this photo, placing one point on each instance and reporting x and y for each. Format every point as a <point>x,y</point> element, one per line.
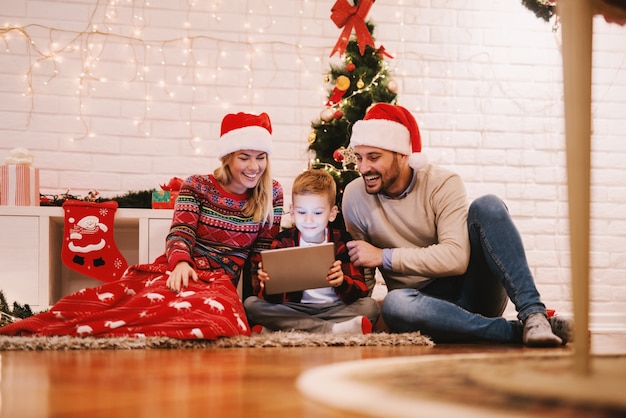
<point>469,307</point>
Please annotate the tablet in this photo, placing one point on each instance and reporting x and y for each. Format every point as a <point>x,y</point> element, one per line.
<point>297,268</point>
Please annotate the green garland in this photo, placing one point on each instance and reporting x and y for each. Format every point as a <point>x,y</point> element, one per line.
<point>141,199</point>
<point>8,315</point>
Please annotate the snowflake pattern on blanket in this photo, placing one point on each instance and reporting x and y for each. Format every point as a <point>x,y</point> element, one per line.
<point>140,305</point>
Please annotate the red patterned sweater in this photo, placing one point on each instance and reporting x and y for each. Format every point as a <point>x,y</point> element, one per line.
<point>209,231</point>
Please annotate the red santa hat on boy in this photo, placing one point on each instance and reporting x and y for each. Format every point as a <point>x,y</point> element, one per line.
<point>393,128</point>
<point>245,131</point>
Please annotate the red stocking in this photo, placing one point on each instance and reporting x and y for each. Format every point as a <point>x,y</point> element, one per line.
<point>88,243</point>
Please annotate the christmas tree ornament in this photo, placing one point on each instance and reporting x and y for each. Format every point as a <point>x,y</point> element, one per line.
<point>335,97</point>
<point>312,137</point>
<point>338,154</point>
<point>360,84</point>
<point>392,86</point>
<point>338,114</point>
<point>88,241</point>
<point>342,83</point>
<point>327,114</point>
<point>350,67</point>
<point>349,158</point>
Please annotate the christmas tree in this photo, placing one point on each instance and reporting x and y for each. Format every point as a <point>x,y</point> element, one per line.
<point>359,81</point>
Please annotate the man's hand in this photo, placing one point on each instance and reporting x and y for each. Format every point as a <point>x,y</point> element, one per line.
<point>364,254</point>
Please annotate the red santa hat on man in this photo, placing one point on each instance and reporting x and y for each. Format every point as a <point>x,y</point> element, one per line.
<point>393,128</point>
<point>242,131</point>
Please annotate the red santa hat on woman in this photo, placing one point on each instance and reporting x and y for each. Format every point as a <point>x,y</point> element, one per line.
<point>393,128</point>
<point>242,131</point>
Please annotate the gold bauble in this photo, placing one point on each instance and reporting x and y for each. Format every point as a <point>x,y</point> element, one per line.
<point>342,82</point>
<point>312,137</point>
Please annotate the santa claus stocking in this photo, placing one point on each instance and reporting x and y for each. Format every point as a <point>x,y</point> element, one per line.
<point>88,243</point>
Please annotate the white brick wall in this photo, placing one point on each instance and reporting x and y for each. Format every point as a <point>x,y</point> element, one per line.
<point>484,80</point>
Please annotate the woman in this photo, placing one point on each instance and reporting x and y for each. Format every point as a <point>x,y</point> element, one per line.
<point>190,291</point>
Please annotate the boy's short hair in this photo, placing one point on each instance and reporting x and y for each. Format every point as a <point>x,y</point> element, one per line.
<point>315,181</point>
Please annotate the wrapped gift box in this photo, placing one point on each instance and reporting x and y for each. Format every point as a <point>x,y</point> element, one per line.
<point>163,199</point>
<point>19,185</point>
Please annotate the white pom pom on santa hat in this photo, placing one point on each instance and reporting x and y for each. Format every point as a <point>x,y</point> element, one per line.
<point>393,128</point>
<point>242,131</point>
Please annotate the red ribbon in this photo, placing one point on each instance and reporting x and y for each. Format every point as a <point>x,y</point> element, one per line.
<point>336,97</point>
<point>347,17</point>
<point>173,185</point>
<point>383,53</point>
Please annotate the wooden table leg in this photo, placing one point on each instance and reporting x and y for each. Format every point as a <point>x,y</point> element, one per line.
<point>577,24</point>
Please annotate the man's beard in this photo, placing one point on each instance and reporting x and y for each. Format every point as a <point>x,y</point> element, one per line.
<point>384,182</point>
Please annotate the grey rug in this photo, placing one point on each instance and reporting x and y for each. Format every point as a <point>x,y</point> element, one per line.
<point>264,340</point>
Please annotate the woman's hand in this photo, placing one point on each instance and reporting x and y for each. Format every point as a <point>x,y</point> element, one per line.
<point>179,277</point>
<point>335,274</point>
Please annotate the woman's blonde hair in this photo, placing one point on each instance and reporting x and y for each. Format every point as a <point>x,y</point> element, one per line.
<point>260,205</point>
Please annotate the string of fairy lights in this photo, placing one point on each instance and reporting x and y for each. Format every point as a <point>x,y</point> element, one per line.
<point>185,68</point>
<point>122,49</point>
<point>181,68</point>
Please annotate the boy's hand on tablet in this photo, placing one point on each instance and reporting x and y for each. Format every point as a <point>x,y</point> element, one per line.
<point>335,274</point>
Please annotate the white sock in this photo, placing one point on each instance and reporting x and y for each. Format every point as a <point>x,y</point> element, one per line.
<point>351,326</point>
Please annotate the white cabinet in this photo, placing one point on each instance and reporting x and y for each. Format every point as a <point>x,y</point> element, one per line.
<point>19,255</point>
<point>31,270</point>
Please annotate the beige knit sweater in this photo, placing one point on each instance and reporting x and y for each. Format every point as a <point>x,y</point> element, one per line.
<point>427,229</point>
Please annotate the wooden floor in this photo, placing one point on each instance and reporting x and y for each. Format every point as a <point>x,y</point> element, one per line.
<point>234,382</point>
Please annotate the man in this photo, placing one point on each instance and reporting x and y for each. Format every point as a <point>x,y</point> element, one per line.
<point>448,269</point>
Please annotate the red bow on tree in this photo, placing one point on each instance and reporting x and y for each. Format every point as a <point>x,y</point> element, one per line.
<point>347,17</point>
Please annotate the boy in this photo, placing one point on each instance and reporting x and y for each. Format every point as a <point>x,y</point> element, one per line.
<point>343,306</point>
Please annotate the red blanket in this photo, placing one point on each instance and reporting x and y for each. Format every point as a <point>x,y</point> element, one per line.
<point>140,305</point>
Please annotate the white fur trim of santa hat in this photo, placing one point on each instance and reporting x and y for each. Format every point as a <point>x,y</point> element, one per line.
<point>393,128</point>
<point>381,133</point>
<point>243,131</point>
